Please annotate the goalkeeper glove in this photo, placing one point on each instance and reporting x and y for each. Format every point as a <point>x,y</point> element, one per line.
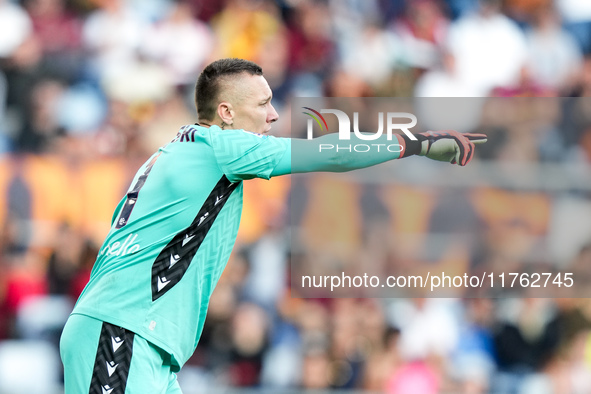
<point>449,146</point>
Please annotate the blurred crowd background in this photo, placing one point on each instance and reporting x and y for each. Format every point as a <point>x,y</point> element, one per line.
<point>90,88</point>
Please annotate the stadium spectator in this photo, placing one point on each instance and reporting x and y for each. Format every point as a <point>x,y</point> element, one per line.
<point>312,48</point>
<point>16,28</point>
<point>60,36</point>
<point>422,31</point>
<point>444,79</point>
<point>112,35</point>
<point>577,17</point>
<point>242,26</point>
<point>42,127</point>
<point>479,40</point>
<point>363,55</point>
<point>180,43</point>
<point>554,59</point>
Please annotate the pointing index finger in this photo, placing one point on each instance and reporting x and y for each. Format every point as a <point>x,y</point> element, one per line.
<point>476,138</point>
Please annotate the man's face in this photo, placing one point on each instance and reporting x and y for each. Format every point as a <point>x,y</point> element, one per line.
<point>251,104</point>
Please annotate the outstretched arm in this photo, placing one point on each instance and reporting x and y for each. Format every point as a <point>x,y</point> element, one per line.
<point>329,154</point>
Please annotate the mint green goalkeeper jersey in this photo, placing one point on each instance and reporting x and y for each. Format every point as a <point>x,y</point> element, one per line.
<point>173,232</point>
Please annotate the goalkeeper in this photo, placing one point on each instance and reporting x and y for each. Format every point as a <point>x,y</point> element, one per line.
<point>141,314</point>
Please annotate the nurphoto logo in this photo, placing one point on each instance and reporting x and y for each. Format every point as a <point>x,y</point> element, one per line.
<point>392,123</point>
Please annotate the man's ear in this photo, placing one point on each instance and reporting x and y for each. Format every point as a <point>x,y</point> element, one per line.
<point>226,112</point>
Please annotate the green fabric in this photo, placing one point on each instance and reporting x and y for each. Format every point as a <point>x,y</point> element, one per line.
<point>180,180</point>
<point>315,155</point>
<point>149,372</point>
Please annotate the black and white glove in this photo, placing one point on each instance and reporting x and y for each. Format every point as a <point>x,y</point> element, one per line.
<point>449,146</point>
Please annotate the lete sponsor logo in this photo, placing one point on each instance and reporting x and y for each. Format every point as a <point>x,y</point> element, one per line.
<point>122,249</point>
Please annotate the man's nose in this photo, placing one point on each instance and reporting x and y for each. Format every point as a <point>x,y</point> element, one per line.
<point>273,115</point>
